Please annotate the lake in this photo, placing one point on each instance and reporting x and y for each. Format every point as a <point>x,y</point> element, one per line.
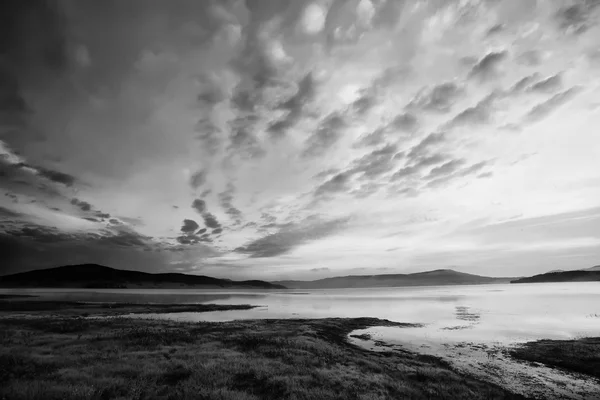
<point>490,313</point>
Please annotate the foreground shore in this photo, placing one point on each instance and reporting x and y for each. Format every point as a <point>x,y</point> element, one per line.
<point>72,357</point>
<point>58,350</point>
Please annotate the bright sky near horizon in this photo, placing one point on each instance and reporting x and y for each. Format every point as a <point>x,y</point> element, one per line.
<point>297,139</point>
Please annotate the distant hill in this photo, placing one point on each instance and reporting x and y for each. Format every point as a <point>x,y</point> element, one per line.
<point>589,275</point>
<point>99,276</point>
<point>596,268</point>
<point>429,278</point>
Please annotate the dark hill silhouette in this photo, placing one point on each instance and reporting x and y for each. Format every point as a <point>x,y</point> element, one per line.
<point>428,278</point>
<point>99,276</point>
<point>589,275</point>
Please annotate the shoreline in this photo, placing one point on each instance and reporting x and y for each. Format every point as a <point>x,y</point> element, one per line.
<point>520,367</point>
<point>42,327</point>
<point>69,356</point>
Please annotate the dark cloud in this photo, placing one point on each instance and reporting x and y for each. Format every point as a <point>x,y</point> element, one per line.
<point>523,83</point>
<point>5,212</point>
<point>326,173</point>
<point>205,193</point>
<point>327,134</point>
<point>418,164</point>
<point>320,269</point>
<point>192,239</point>
<point>199,205</point>
<point>549,85</point>
<point>480,114</point>
<point>440,98</point>
<point>294,105</point>
<point>217,231</point>
<point>210,220</point>
<point>198,179</point>
<point>339,183</point>
<point>452,173</point>
<point>484,175</point>
<point>405,122</point>
<point>364,104</point>
<point>226,200</point>
<point>371,139</point>
<point>487,67</point>
<point>114,221</point>
<point>543,110</point>
<point>376,163</point>
<point>189,226</point>
<point>576,17</point>
<point>201,231</point>
<point>83,205</point>
<point>291,237</point>
<point>56,176</point>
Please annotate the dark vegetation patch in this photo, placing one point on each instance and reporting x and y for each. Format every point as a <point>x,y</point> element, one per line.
<point>581,355</point>
<point>78,307</point>
<point>77,358</point>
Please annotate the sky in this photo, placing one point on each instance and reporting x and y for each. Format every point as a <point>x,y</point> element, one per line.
<point>293,139</point>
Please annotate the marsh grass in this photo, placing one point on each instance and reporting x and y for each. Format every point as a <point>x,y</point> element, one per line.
<point>580,355</point>
<point>122,358</point>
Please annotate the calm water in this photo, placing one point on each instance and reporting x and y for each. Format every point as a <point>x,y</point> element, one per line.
<point>504,313</point>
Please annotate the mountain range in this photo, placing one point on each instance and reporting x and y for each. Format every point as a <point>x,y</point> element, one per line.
<point>99,276</point>
<point>428,278</point>
<point>581,275</point>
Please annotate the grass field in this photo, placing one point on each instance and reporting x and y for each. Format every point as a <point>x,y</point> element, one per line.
<point>121,358</point>
<point>581,355</point>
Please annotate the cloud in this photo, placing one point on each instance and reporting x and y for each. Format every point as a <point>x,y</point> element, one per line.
<point>480,114</point>
<point>327,134</point>
<point>376,163</point>
<point>549,85</point>
<point>198,179</point>
<point>337,184</point>
<point>452,173</point>
<point>487,67</point>
<point>294,105</point>
<point>291,237</point>
<point>544,109</point>
<point>226,200</point>
<point>440,98</point>
<point>199,205</point>
<point>210,220</point>
<point>575,18</point>
<point>405,122</point>
<point>83,205</point>
<point>372,139</point>
<point>446,168</point>
<point>189,226</point>
<point>243,142</point>
<point>530,58</point>
<point>418,164</point>
<point>424,145</point>
<point>320,269</point>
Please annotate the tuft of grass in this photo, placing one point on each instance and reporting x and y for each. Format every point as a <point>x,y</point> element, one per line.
<point>581,355</point>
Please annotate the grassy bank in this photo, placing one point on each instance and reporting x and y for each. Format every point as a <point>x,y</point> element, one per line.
<point>122,358</point>
<point>581,355</point>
